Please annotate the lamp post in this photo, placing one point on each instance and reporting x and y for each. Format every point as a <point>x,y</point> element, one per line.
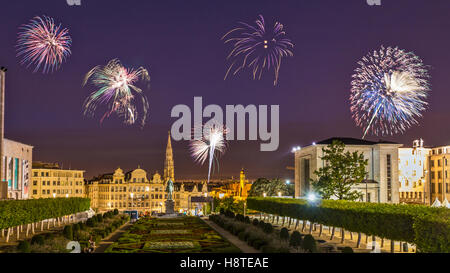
<point>54,195</point>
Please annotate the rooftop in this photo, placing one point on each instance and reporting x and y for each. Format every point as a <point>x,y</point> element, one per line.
<point>353,141</point>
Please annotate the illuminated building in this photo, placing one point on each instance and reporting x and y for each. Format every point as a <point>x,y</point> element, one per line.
<point>381,184</point>
<point>49,180</point>
<point>16,173</point>
<point>413,169</point>
<point>439,186</point>
<point>134,191</point>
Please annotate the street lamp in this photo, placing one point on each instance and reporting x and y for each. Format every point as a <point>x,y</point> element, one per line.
<point>279,194</point>
<point>67,196</point>
<point>264,194</point>
<point>54,195</point>
<point>296,149</point>
<point>288,182</point>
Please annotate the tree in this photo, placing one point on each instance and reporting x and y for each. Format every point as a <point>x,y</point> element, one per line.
<point>269,187</point>
<point>341,172</point>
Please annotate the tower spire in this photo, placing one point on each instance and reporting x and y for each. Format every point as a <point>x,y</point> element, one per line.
<point>169,168</point>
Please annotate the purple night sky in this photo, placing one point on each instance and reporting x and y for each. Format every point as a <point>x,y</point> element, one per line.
<point>179,43</point>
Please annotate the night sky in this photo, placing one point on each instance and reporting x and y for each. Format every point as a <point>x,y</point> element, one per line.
<point>179,43</point>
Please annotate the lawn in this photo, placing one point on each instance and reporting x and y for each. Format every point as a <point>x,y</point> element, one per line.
<point>172,235</point>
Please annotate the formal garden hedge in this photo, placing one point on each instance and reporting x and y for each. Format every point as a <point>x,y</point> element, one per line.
<point>20,212</point>
<point>427,228</point>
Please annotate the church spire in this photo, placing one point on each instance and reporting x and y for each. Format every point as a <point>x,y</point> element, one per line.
<point>169,168</point>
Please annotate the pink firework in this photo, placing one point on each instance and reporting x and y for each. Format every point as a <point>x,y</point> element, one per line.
<point>43,44</point>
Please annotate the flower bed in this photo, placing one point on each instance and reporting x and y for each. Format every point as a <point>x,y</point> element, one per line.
<point>191,235</point>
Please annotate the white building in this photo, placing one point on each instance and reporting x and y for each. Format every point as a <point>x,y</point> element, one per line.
<point>381,184</point>
<point>17,163</point>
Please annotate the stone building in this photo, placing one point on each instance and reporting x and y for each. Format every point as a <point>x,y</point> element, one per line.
<point>413,169</point>
<point>16,173</point>
<point>381,184</point>
<point>50,181</point>
<point>439,185</point>
<point>135,191</point>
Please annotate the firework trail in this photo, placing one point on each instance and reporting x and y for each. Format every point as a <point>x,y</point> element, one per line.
<point>117,89</point>
<point>389,90</point>
<point>258,48</point>
<point>44,44</point>
<point>210,145</point>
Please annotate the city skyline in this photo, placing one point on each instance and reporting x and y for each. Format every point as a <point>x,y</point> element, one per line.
<point>46,110</point>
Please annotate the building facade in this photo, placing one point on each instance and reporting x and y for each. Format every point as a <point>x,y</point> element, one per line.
<point>50,181</point>
<point>413,173</point>
<point>238,190</point>
<point>439,186</point>
<point>16,173</point>
<point>135,191</point>
<point>381,184</point>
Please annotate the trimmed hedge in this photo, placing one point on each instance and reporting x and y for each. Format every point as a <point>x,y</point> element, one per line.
<point>21,212</point>
<point>428,228</point>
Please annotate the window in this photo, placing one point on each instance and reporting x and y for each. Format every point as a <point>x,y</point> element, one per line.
<point>439,175</point>
<point>389,177</point>
<point>36,174</point>
<point>433,188</point>
<point>432,162</point>
<point>439,188</point>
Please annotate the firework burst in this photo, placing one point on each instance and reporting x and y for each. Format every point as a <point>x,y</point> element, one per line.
<point>210,146</point>
<point>258,48</point>
<point>388,92</point>
<point>44,44</point>
<point>117,89</point>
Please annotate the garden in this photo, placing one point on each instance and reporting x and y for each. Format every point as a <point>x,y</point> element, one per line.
<point>171,235</point>
<point>265,237</point>
<point>97,228</point>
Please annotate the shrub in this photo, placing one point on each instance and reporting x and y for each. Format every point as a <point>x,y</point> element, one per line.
<point>347,249</point>
<point>255,222</point>
<point>296,239</point>
<point>116,211</point>
<point>242,236</point>
<point>247,220</point>
<point>309,244</point>
<point>428,228</point>
<point>76,228</point>
<point>91,222</point>
<point>238,229</point>
<point>38,239</point>
<point>99,218</point>
<point>284,234</point>
<point>268,228</point>
<point>259,243</point>
<point>222,211</point>
<point>68,232</point>
<point>261,224</point>
<point>24,247</point>
<point>82,225</point>
<point>240,217</point>
<point>35,210</point>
